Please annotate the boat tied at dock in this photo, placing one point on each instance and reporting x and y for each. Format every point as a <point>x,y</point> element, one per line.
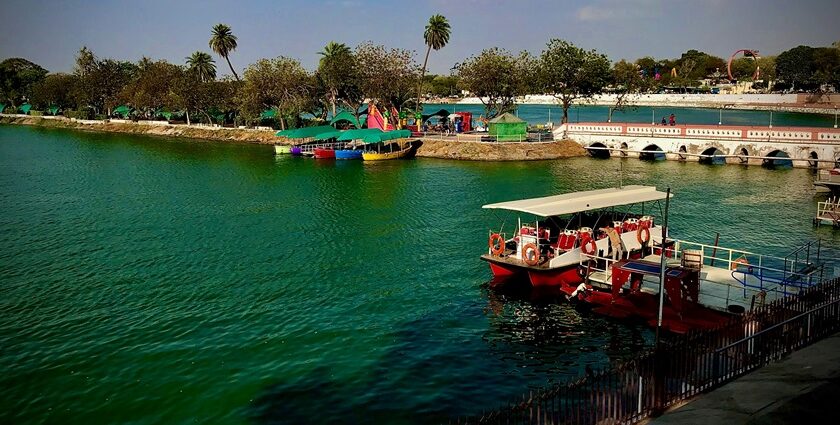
<point>604,248</point>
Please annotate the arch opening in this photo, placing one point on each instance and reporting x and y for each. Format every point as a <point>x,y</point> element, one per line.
<point>624,148</point>
<point>598,150</point>
<point>777,159</point>
<point>713,156</point>
<point>743,153</point>
<point>682,151</point>
<point>652,153</point>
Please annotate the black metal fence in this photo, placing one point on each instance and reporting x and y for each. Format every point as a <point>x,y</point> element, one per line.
<point>683,366</point>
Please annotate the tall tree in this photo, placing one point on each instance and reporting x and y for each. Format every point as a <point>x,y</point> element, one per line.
<point>222,41</point>
<point>387,76</point>
<point>436,37</point>
<point>628,83</point>
<point>570,73</point>
<point>100,81</point>
<point>202,65</point>
<point>497,78</point>
<point>54,90</point>
<point>336,72</point>
<point>796,66</point>
<point>280,84</point>
<point>17,76</point>
<point>151,89</point>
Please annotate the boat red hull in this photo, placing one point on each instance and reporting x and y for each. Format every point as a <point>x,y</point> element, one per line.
<point>566,278</point>
<point>324,153</point>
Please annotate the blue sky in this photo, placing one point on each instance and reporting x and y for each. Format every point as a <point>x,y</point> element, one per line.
<point>51,32</point>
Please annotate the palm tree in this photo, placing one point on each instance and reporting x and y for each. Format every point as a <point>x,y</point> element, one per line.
<point>202,65</point>
<point>436,36</point>
<point>223,42</point>
<point>333,50</point>
<point>330,67</point>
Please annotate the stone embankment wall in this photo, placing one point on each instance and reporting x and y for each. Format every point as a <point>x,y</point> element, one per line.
<point>499,151</point>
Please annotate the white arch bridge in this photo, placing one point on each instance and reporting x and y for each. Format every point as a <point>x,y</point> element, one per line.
<point>796,146</point>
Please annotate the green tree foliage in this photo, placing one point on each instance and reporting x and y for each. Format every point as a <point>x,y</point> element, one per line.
<point>436,37</point>
<point>796,66</point>
<point>571,73</point>
<point>628,83</point>
<point>497,78</point>
<point>100,82</point>
<point>744,68</point>
<point>386,76</point>
<point>827,66</point>
<point>281,84</point>
<point>17,77</point>
<point>336,76</point>
<point>440,85</point>
<point>223,42</point>
<point>151,89</point>
<point>55,90</point>
<point>202,65</point>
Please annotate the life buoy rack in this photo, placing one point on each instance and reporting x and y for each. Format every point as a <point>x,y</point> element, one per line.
<point>643,231</point>
<point>589,247</point>
<point>496,240</point>
<point>529,260</point>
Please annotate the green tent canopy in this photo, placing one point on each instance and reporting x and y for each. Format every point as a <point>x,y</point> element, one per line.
<point>53,110</point>
<point>122,110</point>
<point>24,109</point>
<point>268,114</point>
<point>328,134</point>
<point>507,127</point>
<point>305,132</point>
<point>2,107</point>
<point>346,116</point>
<point>388,135</point>
<point>358,134</point>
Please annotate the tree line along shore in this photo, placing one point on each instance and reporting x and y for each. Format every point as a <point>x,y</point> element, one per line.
<point>282,93</point>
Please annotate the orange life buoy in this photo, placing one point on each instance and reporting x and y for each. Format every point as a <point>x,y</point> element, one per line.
<point>643,231</point>
<point>528,260</point>
<point>497,239</point>
<point>589,247</point>
<point>742,260</point>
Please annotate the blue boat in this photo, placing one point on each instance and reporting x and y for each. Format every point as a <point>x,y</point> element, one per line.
<point>348,154</point>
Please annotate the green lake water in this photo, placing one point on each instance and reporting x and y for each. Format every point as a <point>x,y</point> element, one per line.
<point>151,280</point>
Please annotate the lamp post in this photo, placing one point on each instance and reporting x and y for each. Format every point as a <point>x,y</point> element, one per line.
<point>771,119</point>
<point>720,117</point>
<point>835,117</point>
<point>652,116</point>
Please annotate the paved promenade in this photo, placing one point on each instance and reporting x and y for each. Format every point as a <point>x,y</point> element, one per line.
<point>803,388</point>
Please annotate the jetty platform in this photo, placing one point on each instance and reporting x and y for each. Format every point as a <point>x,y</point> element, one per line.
<point>801,388</point>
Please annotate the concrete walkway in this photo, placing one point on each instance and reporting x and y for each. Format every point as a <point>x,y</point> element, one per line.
<point>803,388</point>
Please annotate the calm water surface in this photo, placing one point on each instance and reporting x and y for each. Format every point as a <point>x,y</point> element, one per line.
<point>149,280</point>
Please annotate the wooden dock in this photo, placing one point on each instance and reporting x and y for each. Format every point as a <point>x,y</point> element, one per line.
<point>828,212</point>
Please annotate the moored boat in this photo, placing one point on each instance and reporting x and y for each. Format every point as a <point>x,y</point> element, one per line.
<point>282,149</point>
<point>348,154</point>
<point>381,156</point>
<point>603,248</point>
<point>324,153</point>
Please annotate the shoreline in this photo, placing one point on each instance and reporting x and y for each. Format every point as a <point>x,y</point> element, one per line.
<point>429,148</point>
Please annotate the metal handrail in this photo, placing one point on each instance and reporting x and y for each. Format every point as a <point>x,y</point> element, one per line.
<point>777,325</point>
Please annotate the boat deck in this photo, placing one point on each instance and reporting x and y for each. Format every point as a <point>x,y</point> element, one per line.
<point>828,212</point>
<point>719,289</point>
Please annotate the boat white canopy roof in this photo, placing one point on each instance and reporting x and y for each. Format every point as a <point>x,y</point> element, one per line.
<point>574,202</point>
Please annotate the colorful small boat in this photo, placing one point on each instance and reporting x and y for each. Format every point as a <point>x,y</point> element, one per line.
<point>324,153</point>
<point>381,156</point>
<point>348,154</point>
<point>296,150</point>
<point>282,149</point>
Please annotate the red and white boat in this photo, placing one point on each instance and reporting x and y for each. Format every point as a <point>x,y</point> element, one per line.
<point>604,248</point>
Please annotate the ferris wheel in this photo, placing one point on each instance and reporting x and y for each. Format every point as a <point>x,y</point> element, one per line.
<point>748,53</point>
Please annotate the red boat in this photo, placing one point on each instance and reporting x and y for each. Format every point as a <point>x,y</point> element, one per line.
<point>583,245</point>
<point>324,153</point>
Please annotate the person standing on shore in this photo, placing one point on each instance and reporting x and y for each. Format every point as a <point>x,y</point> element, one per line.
<point>664,122</point>
<point>672,120</point>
